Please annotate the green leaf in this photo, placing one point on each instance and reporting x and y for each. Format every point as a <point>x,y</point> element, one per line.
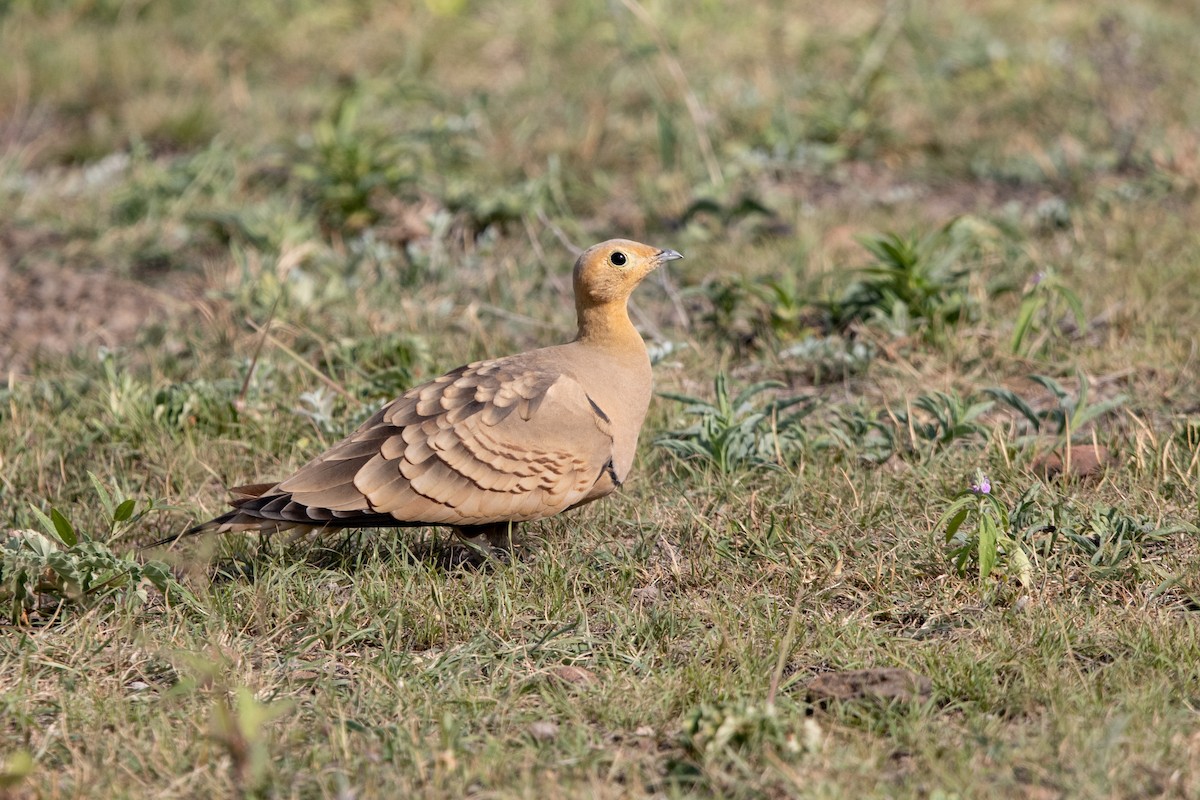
<point>755,388</point>
<point>684,398</point>
<point>1082,416</point>
<point>1016,402</point>
<point>63,527</point>
<point>1051,384</point>
<point>955,522</point>
<point>775,406</point>
<point>124,511</point>
<point>102,493</point>
<point>963,431</point>
<point>977,409</point>
<point>956,514</point>
<point>46,523</point>
<point>68,569</point>
<point>998,508</point>
<point>988,538</point>
<point>1081,401</point>
<point>929,403</point>
<point>1084,543</point>
<point>36,543</point>
<point>1021,564</point>
<point>961,556</point>
<point>1029,307</point>
<point>1074,304</point>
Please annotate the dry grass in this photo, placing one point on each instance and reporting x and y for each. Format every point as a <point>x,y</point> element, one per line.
<point>393,186</point>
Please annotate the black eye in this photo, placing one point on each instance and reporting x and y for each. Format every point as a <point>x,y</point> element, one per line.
<point>618,258</point>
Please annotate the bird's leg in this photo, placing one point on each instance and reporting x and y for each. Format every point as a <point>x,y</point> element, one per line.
<point>499,536</point>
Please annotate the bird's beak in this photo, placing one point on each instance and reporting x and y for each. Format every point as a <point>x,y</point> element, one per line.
<point>668,255</point>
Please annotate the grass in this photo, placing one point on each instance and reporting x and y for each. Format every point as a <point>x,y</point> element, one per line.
<point>892,216</point>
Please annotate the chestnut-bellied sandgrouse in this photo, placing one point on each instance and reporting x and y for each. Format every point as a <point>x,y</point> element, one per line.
<point>492,443</point>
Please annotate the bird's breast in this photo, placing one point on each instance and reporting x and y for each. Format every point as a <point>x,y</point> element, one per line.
<point>623,395</point>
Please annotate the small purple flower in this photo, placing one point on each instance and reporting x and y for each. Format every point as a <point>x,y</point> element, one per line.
<point>982,485</point>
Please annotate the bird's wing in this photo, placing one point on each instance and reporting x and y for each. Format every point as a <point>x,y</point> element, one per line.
<point>490,442</point>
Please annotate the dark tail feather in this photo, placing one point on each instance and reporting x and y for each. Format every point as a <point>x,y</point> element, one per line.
<point>228,521</point>
<point>255,509</point>
<point>234,520</point>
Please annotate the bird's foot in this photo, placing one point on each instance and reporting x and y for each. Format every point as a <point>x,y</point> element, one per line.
<point>493,542</point>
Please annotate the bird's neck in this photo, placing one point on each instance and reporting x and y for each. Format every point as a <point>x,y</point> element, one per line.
<point>608,325</point>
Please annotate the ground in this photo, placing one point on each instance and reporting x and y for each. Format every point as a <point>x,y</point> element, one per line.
<point>914,511</point>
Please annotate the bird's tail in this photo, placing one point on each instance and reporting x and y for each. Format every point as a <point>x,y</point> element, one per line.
<point>236,520</point>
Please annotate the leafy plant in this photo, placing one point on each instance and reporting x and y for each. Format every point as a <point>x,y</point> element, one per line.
<point>62,566</point>
<point>756,309</point>
<point>727,214</point>
<point>275,225</point>
<point>199,404</point>
<point>860,433</point>
<point>1042,305</point>
<point>1109,537</point>
<point>829,358</point>
<point>342,166</point>
<point>732,307</point>
<point>992,545</point>
<point>786,304</point>
<point>913,280</point>
<point>723,730</point>
<point>123,398</point>
<point>945,418</point>
<point>1068,416</point>
<point>482,206</point>
<point>732,433</point>
<point>130,409</point>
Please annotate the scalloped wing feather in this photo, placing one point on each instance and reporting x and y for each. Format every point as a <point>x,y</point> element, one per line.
<point>494,441</point>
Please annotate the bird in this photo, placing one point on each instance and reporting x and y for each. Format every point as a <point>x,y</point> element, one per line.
<point>493,443</point>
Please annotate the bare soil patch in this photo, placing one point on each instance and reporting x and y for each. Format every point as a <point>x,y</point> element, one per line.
<point>51,309</point>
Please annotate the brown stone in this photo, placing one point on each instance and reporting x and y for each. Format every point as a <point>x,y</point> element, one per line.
<point>1085,460</point>
<point>881,683</point>
<point>569,673</point>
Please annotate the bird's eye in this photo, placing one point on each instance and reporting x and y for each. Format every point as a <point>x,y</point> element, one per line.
<point>618,258</point>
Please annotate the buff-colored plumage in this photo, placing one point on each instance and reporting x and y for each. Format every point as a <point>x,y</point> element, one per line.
<point>491,443</point>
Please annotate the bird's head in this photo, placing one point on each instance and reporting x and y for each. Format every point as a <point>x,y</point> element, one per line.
<point>607,273</point>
